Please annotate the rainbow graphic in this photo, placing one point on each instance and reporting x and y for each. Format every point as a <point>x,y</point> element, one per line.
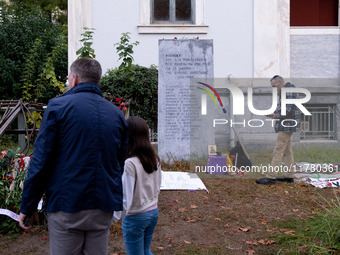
<point>211,95</point>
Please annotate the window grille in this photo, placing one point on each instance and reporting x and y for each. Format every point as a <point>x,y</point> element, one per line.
<point>153,135</point>
<point>319,125</point>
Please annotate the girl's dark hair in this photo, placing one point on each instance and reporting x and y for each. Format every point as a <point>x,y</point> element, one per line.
<point>139,144</point>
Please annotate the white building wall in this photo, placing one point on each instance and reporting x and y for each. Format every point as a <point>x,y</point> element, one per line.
<point>230,25</point>
<point>79,16</point>
<point>271,38</point>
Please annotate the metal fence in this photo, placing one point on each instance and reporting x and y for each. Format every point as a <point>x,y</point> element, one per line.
<point>320,125</point>
<point>153,135</point>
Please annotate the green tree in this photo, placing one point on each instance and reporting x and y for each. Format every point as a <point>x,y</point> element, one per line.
<point>55,10</point>
<point>33,56</point>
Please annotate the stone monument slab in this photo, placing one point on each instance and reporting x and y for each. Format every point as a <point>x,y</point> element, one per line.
<point>180,62</point>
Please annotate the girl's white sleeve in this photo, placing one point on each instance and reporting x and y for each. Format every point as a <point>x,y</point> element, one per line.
<point>128,189</point>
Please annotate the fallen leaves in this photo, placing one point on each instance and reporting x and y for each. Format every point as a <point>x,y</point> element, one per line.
<point>226,208</point>
<point>290,232</point>
<point>260,242</point>
<point>287,232</point>
<point>250,251</point>
<point>183,209</point>
<point>191,220</point>
<point>273,230</point>
<point>244,229</point>
<point>263,221</point>
<point>303,248</point>
<point>266,242</point>
<point>170,239</point>
<point>186,209</point>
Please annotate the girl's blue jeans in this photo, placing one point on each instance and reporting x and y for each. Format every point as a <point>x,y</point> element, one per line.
<point>138,230</point>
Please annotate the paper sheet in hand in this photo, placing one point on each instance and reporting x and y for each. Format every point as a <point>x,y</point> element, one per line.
<point>181,181</point>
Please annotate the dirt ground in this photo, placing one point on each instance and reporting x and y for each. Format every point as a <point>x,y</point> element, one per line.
<point>237,216</point>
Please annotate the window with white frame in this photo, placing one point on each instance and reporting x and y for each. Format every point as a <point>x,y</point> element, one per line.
<point>172,11</point>
<point>172,16</point>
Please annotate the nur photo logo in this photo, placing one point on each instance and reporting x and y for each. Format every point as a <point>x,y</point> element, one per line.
<point>239,103</point>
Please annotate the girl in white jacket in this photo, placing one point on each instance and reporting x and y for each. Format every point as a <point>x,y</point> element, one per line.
<point>141,186</point>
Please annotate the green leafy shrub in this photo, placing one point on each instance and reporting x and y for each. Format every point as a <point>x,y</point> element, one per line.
<point>142,90</point>
<point>134,82</point>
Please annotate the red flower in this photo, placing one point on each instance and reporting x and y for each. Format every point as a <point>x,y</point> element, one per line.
<point>8,176</point>
<point>125,108</point>
<point>175,38</point>
<point>121,99</point>
<point>117,99</point>
<point>198,38</point>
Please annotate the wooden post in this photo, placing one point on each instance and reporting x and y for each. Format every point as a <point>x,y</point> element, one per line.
<point>21,125</point>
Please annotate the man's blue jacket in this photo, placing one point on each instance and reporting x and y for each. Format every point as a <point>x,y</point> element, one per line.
<point>78,156</point>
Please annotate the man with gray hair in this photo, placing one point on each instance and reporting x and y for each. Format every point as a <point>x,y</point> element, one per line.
<point>78,162</point>
<point>283,146</point>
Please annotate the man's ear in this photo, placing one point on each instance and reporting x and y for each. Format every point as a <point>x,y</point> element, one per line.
<point>74,81</point>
